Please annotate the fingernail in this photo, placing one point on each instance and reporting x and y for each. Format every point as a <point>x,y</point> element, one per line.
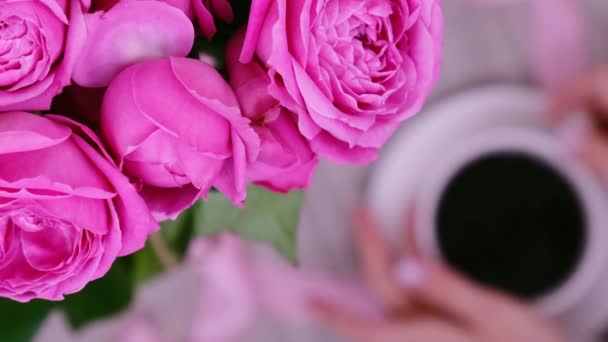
<point>409,273</point>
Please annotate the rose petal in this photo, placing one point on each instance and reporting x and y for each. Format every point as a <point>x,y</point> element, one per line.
<point>40,168</point>
<point>168,203</point>
<point>48,249</point>
<point>85,213</point>
<point>257,15</point>
<point>231,180</point>
<point>132,211</point>
<point>34,132</point>
<point>131,32</point>
<point>201,108</point>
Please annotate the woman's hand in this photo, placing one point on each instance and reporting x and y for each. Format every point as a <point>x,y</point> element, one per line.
<point>427,302</point>
<point>591,94</point>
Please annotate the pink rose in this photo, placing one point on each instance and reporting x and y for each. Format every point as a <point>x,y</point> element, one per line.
<point>203,11</point>
<point>175,126</point>
<point>351,70</point>
<point>66,210</point>
<point>128,33</point>
<point>285,161</point>
<point>38,46</point>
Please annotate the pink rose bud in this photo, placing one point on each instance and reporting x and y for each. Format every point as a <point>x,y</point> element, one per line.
<point>128,33</point>
<point>38,47</point>
<point>106,5</point>
<point>204,12</point>
<point>176,128</point>
<point>351,70</point>
<point>286,161</point>
<point>67,212</point>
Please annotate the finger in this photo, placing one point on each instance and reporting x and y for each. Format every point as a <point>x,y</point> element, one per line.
<point>412,251</point>
<point>411,247</point>
<point>345,323</point>
<point>594,152</point>
<point>598,91</point>
<point>376,262</point>
<point>569,98</point>
<point>442,290</point>
<point>590,92</point>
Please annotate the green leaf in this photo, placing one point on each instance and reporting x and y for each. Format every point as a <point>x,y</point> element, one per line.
<point>101,298</point>
<point>20,321</point>
<point>145,265</point>
<point>267,217</point>
<point>178,233</point>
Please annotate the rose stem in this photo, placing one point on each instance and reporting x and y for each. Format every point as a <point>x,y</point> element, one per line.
<point>162,251</point>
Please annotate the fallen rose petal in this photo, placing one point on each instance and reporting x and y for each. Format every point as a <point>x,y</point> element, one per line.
<point>236,290</point>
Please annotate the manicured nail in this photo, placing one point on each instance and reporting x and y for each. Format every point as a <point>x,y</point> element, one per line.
<point>410,273</point>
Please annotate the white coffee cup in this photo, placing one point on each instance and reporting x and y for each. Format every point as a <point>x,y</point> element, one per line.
<point>544,146</point>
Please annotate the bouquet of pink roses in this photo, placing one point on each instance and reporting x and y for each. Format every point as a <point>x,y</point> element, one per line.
<point>118,115</point>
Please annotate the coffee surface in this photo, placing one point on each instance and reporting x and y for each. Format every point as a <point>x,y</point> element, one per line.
<point>513,222</point>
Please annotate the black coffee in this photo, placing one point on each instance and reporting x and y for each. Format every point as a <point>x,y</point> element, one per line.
<point>511,221</point>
